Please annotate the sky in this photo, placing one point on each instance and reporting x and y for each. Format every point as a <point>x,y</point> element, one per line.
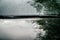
<point>18,29</point>
<point>16,7</point>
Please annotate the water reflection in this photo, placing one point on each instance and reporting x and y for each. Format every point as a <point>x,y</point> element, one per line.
<point>22,29</point>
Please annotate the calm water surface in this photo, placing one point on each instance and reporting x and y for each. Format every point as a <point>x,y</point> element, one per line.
<point>14,29</point>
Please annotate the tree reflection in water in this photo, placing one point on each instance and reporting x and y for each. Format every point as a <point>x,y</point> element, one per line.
<point>40,32</point>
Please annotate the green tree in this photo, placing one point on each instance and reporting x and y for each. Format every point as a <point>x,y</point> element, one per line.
<point>51,7</point>
<point>51,25</point>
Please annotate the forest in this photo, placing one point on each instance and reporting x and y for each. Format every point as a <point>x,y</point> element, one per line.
<point>50,25</point>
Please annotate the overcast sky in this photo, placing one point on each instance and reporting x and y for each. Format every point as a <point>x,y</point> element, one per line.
<point>16,7</point>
